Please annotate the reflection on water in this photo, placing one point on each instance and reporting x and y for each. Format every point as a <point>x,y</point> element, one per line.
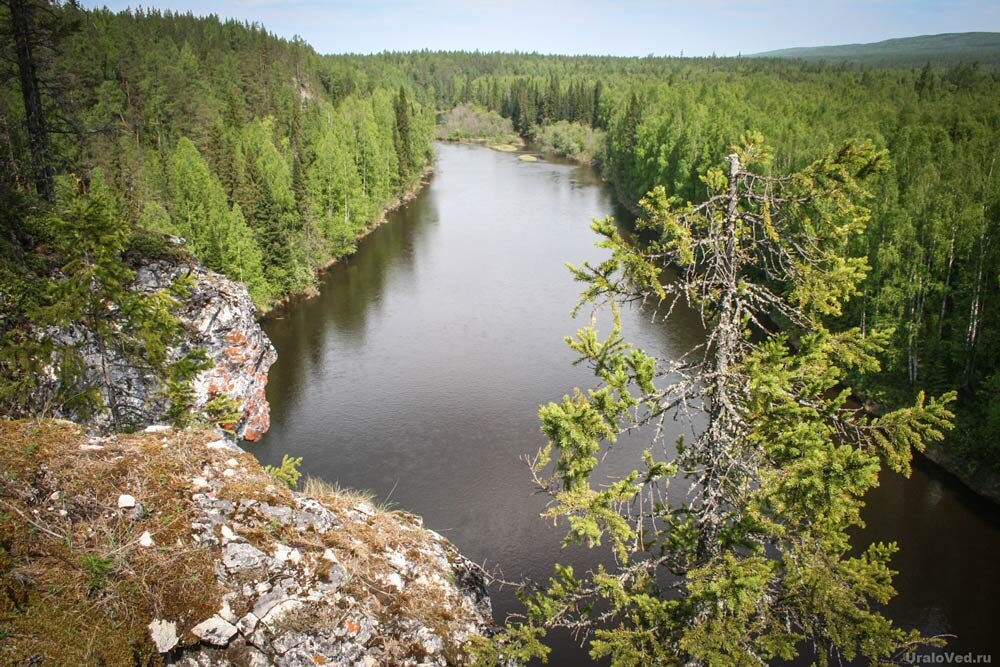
<point>948,580</point>
<point>418,371</point>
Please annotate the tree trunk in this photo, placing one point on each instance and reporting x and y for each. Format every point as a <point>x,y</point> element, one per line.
<point>23,32</point>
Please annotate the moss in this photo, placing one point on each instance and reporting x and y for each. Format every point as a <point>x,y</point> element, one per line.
<point>78,587</point>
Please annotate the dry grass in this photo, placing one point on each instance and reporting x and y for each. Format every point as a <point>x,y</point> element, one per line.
<point>77,589</point>
<point>335,497</point>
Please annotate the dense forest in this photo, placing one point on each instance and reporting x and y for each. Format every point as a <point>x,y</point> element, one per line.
<point>221,133</point>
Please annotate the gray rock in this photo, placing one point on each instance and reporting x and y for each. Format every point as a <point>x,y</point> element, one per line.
<point>282,566</point>
<point>164,634</point>
<point>335,576</point>
<point>247,624</point>
<point>287,642</point>
<point>281,513</point>
<point>216,631</point>
<point>269,601</point>
<point>237,556</point>
<point>256,658</point>
<point>313,515</point>
<point>280,610</point>
<point>430,641</point>
<point>218,316</point>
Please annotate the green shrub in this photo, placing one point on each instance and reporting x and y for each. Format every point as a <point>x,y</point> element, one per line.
<point>288,472</point>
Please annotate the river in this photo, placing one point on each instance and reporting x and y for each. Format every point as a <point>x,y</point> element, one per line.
<point>417,373</point>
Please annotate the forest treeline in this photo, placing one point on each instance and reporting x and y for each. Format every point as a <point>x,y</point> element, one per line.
<point>933,244</point>
<point>270,159</point>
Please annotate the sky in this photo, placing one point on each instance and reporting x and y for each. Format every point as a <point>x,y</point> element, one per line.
<point>628,27</point>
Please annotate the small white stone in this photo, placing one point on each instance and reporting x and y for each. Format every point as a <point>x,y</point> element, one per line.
<point>330,556</point>
<point>229,472</point>
<point>247,624</point>
<point>232,463</point>
<point>217,444</point>
<point>199,483</point>
<point>295,556</point>
<point>226,613</point>
<point>156,428</point>
<point>431,642</point>
<point>217,631</point>
<point>398,560</point>
<point>365,508</point>
<point>91,448</point>
<point>227,534</point>
<point>126,501</point>
<point>263,587</point>
<point>280,610</point>
<point>164,634</point>
<point>146,540</point>
<point>282,553</point>
<point>395,581</point>
<point>54,496</point>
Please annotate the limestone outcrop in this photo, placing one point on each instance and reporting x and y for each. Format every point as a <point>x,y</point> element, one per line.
<point>175,547</point>
<point>217,316</point>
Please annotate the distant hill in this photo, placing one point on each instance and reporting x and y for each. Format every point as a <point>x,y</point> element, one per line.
<point>946,49</point>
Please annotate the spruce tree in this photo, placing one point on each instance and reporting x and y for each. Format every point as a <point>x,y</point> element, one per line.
<point>217,234</point>
<point>756,564</point>
<point>92,299</point>
<point>404,151</point>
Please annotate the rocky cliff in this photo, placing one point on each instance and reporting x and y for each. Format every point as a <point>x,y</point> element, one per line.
<point>217,316</point>
<point>174,547</point>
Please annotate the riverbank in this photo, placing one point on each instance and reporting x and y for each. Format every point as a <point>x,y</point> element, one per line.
<point>402,200</point>
<point>575,141</point>
<point>507,146</point>
<point>975,476</point>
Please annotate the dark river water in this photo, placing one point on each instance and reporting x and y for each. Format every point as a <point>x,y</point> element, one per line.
<point>418,371</point>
